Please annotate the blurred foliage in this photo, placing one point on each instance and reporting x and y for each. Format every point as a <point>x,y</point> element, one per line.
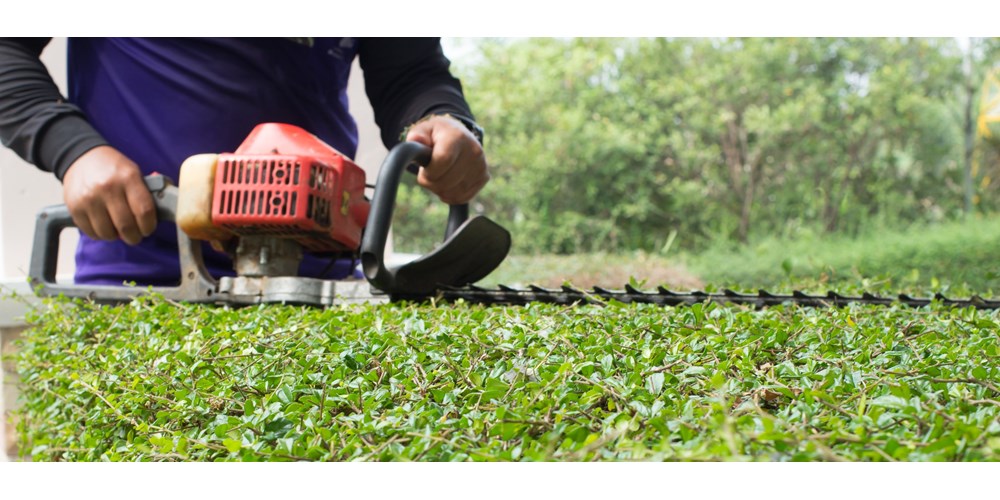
<point>954,258</point>
<point>612,144</point>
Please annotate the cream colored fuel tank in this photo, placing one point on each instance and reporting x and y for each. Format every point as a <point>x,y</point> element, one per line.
<point>194,200</point>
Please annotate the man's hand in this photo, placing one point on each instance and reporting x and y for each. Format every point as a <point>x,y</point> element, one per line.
<point>107,197</point>
<point>457,170</point>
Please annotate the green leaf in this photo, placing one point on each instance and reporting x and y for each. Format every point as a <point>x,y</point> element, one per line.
<point>607,362</point>
<point>655,409</point>
<point>232,445</point>
<point>350,361</point>
<point>786,266</point>
<point>640,408</point>
<point>654,383</point>
<point>250,406</point>
<point>890,401</point>
<point>718,380</point>
<point>694,370</point>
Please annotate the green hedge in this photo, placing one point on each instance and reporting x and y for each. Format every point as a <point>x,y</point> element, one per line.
<point>927,256</point>
<point>155,380</point>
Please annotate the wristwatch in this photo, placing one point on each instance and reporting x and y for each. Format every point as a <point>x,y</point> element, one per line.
<point>473,127</point>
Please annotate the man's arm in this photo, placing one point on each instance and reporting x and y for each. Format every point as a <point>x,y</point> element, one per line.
<point>407,79</point>
<point>410,87</point>
<point>103,189</point>
<point>36,122</point>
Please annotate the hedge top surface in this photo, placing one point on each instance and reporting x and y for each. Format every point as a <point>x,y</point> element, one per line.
<point>155,380</point>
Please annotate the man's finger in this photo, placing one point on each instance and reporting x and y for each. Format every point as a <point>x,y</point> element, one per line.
<point>143,207</point>
<point>472,189</point>
<point>82,221</point>
<point>121,216</point>
<point>103,228</point>
<point>465,192</point>
<point>444,158</point>
<point>421,133</point>
<point>431,177</point>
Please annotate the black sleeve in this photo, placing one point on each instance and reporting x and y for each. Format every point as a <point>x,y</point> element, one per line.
<point>407,79</point>
<point>35,120</point>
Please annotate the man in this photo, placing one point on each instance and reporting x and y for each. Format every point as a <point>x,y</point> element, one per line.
<point>138,106</point>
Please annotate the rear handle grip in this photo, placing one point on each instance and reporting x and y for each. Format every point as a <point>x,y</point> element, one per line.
<point>197,285</point>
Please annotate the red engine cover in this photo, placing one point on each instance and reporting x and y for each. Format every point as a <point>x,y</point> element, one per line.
<point>285,182</point>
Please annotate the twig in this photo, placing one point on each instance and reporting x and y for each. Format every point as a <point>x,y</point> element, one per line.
<point>981,383</point>
<point>984,402</point>
<point>232,356</point>
<point>659,369</point>
<point>118,412</point>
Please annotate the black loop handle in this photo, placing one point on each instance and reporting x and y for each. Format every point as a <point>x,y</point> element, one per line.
<point>383,204</point>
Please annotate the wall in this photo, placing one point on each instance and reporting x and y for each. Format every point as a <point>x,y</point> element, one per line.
<point>24,190</point>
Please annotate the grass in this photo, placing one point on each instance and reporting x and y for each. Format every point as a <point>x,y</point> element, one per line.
<point>959,256</point>
<point>591,269</point>
<point>924,257</point>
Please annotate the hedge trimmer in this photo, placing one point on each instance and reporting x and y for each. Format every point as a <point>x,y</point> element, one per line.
<point>284,191</point>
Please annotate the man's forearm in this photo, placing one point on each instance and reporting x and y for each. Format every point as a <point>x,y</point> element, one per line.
<point>36,122</point>
<point>407,79</point>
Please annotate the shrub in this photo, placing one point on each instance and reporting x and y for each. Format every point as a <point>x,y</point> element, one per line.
<point>156,380</point>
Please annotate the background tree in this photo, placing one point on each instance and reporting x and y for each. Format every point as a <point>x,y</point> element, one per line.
<point>623,144</point>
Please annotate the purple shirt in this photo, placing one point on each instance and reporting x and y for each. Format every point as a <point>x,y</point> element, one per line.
<point>159,101</point>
